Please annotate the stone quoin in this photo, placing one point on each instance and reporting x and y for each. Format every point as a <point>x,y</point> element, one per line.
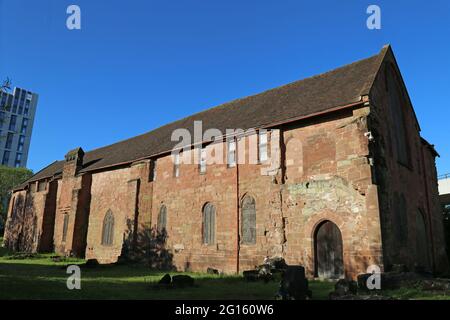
<point>353,185</point>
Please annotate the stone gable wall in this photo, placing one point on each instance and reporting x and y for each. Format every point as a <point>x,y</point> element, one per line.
<point>415,182</point>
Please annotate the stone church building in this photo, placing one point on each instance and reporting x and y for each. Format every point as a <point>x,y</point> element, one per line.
<point>351,183</point>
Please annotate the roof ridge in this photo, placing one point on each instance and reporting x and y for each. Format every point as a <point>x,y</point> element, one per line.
<point>317,94</point>
<point>381,55</point>
<point>225,104</point>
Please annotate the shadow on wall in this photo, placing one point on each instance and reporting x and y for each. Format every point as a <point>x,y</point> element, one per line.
<point>21,227</point>
<point>446,210</point>
<point>147,245</point>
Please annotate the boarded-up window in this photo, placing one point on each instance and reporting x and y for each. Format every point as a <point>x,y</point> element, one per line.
<point>176,165</point>
<point>108,229</point>
<point>231,153</point>
<point>209,224</point>
<point>65,226</point>
<point>33,187</point>
<point>162,219</point>
<point>262,146</point>
<point>202,165</point>
<point>42,185</point>
<point>248,220</point>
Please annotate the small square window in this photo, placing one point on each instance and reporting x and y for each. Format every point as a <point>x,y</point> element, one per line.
<point>42,185</point>
<point>176,165</point>
<point>262,146</point>
<point>231,153</point>
<point>203,160</point>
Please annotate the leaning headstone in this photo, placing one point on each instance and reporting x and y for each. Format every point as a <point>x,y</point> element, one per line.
<point>165,280</point>
<point>294,285</point>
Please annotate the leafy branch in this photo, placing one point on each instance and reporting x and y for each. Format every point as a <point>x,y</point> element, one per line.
<point>6,85</point>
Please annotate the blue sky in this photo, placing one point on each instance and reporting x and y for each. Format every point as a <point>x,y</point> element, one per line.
<point>138,64</point>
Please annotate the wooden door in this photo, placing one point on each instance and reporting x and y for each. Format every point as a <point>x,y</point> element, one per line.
<point>329,256</point>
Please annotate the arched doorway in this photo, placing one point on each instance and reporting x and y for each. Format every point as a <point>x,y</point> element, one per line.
<point>329,262</point>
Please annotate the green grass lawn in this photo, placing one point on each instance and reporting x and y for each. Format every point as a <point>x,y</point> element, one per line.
<point>41,278</point>
<point>414,294</point>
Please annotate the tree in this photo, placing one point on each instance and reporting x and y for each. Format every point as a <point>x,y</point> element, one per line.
<point>9,178</point>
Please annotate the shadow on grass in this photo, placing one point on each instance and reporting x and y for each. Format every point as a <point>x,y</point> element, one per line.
<point>37,281</point>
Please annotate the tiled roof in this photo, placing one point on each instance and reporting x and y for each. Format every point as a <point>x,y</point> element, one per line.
<point>339,87</point>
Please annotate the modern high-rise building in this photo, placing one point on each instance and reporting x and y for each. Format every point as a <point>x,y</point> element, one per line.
<point>17,111</point>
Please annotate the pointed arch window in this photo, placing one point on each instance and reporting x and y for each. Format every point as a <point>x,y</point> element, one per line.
<point>162,219</point>
<point>248,220</point>
<point>397,105</point>
<point>108,229</point>
<point>65,227</point>
<point>209,224</point>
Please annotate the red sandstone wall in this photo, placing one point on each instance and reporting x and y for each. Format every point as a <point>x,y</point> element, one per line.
<point>72,200</point>
<point>435,218</point>
<point>334,166</point>
<point>184,198</point>
<point>48,224</point>
<point>396,179</point>
<point>328,177</point>
<point>110,190</point>
<point>324,174</point>
<point>26,220</point>
<point>15,221</point>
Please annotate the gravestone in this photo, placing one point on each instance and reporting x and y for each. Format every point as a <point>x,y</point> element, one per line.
<point>294,284</point>
<point>165,280</point>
